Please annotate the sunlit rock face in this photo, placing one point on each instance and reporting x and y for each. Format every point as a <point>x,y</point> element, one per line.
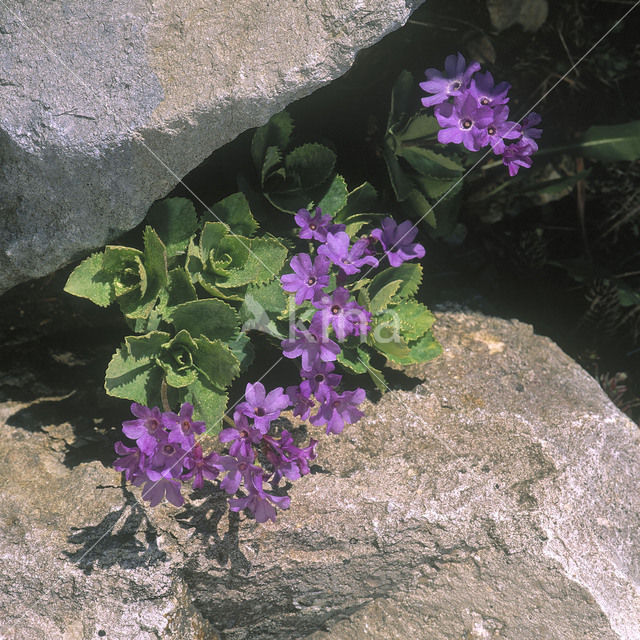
<point>106,106</point>
<point>492,494</point>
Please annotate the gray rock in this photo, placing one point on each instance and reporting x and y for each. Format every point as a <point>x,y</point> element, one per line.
<point>106,106</point>
<point>496,497</point>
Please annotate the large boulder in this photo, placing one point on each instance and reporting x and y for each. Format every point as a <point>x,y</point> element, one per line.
<point>106,106</point>
<point>496,496</point>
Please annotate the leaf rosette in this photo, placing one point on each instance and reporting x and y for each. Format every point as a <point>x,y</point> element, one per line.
<point>195,369</point>
<point>224,263</point>
<point>128,276</point>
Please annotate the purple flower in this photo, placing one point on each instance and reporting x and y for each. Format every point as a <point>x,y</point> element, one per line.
<point>168,457</point>
<point>287,459</point>
<point>200,467</point>
<point>397,241</point>
<point>517,155</point>
<point>308,278</point>
<point>319,376</point>
<point>337,409</point>
<point>351,260</point>
<point>316,227</point>
<point>500,130</point>
<point>182,429</point>
<point>346,317</point>
<point>146,430</point>
<point>483,90</point>
<point>161,484</point>
<point>259,501</point>
<point>262,407</point>
<point>132,462</point>
<point>243,436</point>
<point>463,122</point>
<point>300,398</point>
<point>238,468</point>
<point>529,133</point>
<point>312,344</point>
<point>453,82</point>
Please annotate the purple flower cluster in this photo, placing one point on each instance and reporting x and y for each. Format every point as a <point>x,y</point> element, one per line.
<point>166,454</point>
<point>472,110</point>
<point>255,457</point>
<point>317,397</point>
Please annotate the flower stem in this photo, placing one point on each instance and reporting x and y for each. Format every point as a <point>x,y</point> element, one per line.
<point>163,395</point>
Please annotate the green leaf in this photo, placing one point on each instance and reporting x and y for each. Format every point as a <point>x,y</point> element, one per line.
<point>362,199</point>
<point>354,223</point>
<point>409,273</point>
<point>385,336</point>
<point>194,264</point>
<point>420,126</point>
<point>179,287</point>
<point>276,133</point>
<point>420,208</point>
<point>425,349</point>
<point>221,252</point>
<point>272,159</point>
<point>350,359</point>
<point>235,212</point>
<point>402,100</point>
<point>151,322</point>
<point>402,185</point>
<point>88,280</point>
<point>156,276</point>
<point>124,266</point>
<point>309,165</point>
<point>415,319</point>
<point>134,379</point>
<point>442,210</point>
<point>209,404</point>
<point>335,197</point>
<point>216,362</point>
<point>242,349</point>
<point>375,374</point>
<point>175,221</point>
<point>263,305</point>
<point>177,360</point>
<point>611,143</point>
<point>209,317</point>
<point>435,188</point>
<point>383,296</point>
<point>148,346</point>
<point>430,163</point>
<point>266,259</point>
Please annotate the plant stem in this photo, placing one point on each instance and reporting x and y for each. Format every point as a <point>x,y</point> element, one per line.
<point>163,395</point>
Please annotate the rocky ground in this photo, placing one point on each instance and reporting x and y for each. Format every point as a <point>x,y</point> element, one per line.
<point>491,494</point>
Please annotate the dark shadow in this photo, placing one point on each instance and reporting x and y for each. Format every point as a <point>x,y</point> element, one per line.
<point>205,519</point>
<point>91,415</point>
<point>112,543</point>
<point>397,379</point>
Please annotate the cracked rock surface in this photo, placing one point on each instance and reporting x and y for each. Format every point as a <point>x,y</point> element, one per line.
<point>105,106</point>
<point>495,496</point>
